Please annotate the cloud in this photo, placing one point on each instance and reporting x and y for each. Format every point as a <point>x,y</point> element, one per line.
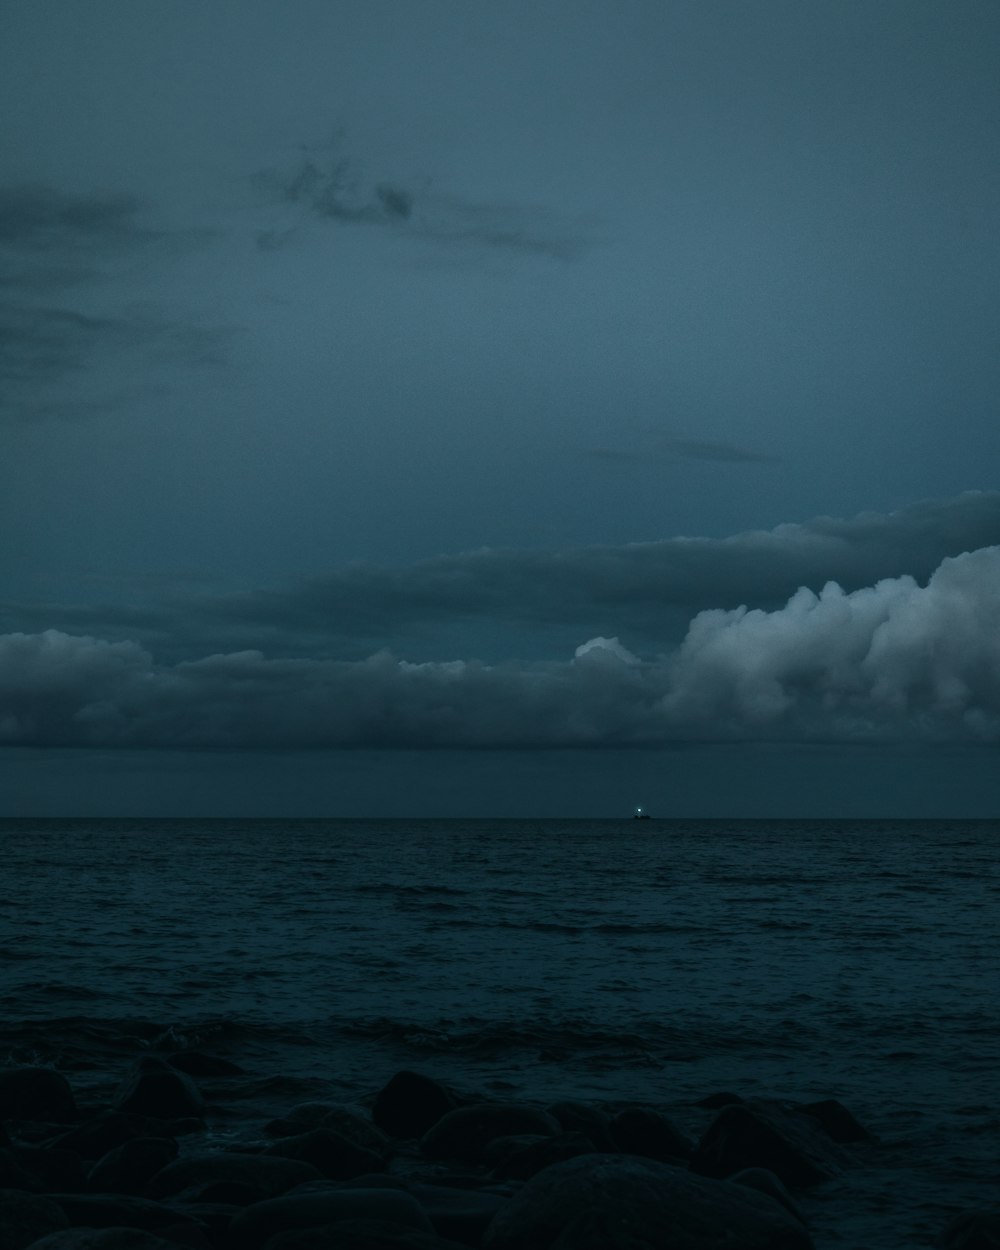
<point>337,191</point>
<point>57,250</point>
<point>889,662</point>
<point>689,448</point>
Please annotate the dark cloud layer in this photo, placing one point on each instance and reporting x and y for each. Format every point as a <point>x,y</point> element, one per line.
<point>56,250</point>
<point>336,190</point>
<point>893,661</point>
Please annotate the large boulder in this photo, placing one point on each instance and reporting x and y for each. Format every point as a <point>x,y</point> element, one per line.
<point>360,1235</point>
<point>255,1177</point>
<point>128,1169</point>
<point>972,1230</point>
<point>36,1094</point>
<point>103,1239</point>
<point>461,1215</point>
<point>119,1211</point>
<point>581,1117</point>
<point>410,1104</point>
<point>336,1156</point>
<point>466,1132</point>
<point>757,1134</point>
<point>24,1218</point>
<point>256,1224</point>
<point>645,1131</point>
<point>623,1202</point>
<point>53,1168</point>
<point>95,1137</point>
<point>156,1089</point>
<point>534,1155</point>
<point>840,1123</point>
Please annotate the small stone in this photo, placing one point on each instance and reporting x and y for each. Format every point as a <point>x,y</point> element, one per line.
<point>644,1131</point>
<point>410,1104</point>
<point>154,1088</point>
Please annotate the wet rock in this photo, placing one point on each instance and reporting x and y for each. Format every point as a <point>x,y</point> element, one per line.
<point>714,1101</point>
<point>354,1124</point>
<point>129,1168</point>
<point>760,1134</point>
<point>255,1225</point>
<point>839,1123</point>
<point>972,1230</point>
<point>103,1239</point>
<point>95,1137</point>
<point>257,1176</point>
<point>24,1218</point>
<point>13,1175</point>
<point>766,1182</point>
<point>118,1211</point>
<point>623,1202</point>
<point>521,1164</point>
<point>410,1104</point>
<point>154,1088</point>
<point>580,1117</point>
<point>53,1168</point>
<point>334,1155</point>
<point>644,1131</point>
<point>196,1063</point>
<point>36,1094</point>
<point>360,1235</point>
<point>461,1215</point>
<point>466,1132</point>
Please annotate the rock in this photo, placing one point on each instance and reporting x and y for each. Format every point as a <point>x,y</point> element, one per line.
<point>972,1230</point>
<point>95,1137</point>
<point>13,1175</point>
<point>523,1163</point>
<point>118,1211</point>
<point>334,1155</point>
<point>714,1101</point>
<point>466,1132</point>
<point>766,1182</point>
<point>103,1239</point>
<point>759,1134</point>
<point>643,1131</point>
<point>359,1235</point>
<point>154,1088</point>
<point>410,1104</point>
<point>256,1177</point>
<point>580,1117</point>
<point>24,1218</point>
<point>461,1215</point>
<point>356,1126</point>
<point>129,1168</point>
<point>53,1167</point>
<point>623,1202</point>
<point>253,1226</point>
<point>196,1063</point>
<point>839,1123</point>
<point>36,1094</point>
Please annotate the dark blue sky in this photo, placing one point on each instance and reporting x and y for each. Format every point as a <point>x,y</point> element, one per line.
<point>438,407</point>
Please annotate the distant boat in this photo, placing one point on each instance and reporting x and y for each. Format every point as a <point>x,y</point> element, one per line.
<point>640,814</point>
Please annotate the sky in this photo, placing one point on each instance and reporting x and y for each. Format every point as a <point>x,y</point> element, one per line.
<point>423,407</point>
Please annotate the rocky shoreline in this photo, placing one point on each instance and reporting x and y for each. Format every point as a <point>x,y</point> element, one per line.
<point>417,1165</point>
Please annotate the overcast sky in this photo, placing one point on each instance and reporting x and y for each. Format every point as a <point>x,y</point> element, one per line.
<point>527,407</point>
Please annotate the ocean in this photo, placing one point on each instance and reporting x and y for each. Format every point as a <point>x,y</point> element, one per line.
<point>656,961</point>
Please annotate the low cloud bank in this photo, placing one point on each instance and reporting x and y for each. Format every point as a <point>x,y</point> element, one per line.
<point>892,661</point>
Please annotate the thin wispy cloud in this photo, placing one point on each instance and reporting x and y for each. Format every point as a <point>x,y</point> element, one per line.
<point>337,190</point>
<point>668,447</point>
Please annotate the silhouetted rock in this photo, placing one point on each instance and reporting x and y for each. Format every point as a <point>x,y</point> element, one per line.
<point>118,1211</point>
<point>766,1182</point>
<point>643,1131</point>
<point>333,1154</point>
<point>24,1218</point>
<point>746,1135</point>
<point>360,1235</point>
<point>103,1239</point>
<point>196,1063</point>
<point>36,1094</point>
<point>839,1123</point>
<point>154,1088</point>
<point>13,1174</point>
<point>580,1117</point>
<point>95,1137</point>
<point>128,1169</point>
<point>623,1202</point>
<point>531,1157</point>
<point>255,1225</point>
<point>410,1103</point>
<point>262,1176</point>
<point>715,1101</point>
<point>461,1215</point>
<point>465,1132</point>
<point>54,1168</point>
<point>972,1230</point>
<point>354,1124</point>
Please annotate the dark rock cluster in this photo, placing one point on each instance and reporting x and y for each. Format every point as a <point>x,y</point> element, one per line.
<point>419,1168</point>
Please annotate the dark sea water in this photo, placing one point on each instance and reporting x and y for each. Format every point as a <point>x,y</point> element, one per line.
<point>657,961</point>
